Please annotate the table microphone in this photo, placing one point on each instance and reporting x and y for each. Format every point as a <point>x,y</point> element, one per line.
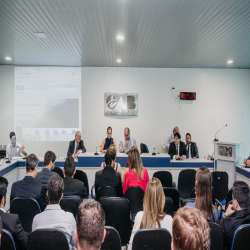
<point>96,150</point>
<point>218,132</point>
<point>154,152</point>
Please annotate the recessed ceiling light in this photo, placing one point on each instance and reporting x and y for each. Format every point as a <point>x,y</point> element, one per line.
<point>41,35</point>
<point>230,61</point>
<point>119,60</point>
<point>120,37</point>
<point>8,58</point>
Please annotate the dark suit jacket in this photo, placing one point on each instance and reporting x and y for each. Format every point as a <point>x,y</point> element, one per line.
<point>74,187</point>
<point>29,187</point>
<point>230,224</point>
<point>71,148</point>
<point>194,150</point>
<point>108,177</point>
<point>44,176</point>
<point>12,223</point>
<point>182,149</point>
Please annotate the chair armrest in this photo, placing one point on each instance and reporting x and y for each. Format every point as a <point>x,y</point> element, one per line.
<point>92,189</point>
<point>220,205</point>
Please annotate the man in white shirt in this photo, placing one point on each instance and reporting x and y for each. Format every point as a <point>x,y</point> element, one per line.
<point>127,142</point>
<point>14,148</point>
<point>168,139</point>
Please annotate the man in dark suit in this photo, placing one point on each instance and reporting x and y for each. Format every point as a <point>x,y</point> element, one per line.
<point>11,222</point>
<point>29,187</point>
<point>72,186</point>
<point>237,213</point>
<point>191,147</point>
<point>108,176</point>
<point>177,149</point>
<point>49,164</point>
<point>76,146</point>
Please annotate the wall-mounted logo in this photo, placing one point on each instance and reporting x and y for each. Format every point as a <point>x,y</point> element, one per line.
<point>120,104</point>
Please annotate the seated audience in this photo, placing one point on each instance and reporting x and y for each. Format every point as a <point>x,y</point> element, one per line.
<point>53,216</point>
<point>192,149</point>
<point>107,141</point>
<point>247,161</point>
<point>203,190</point>
<point>137,175</point>
<point>11,222</point>
<point>152,215</point>
<point>49,164</point>
<point>73,186</point>
<point>177,148</point>
<point>127,142</point>
<point>190,230</point>
<point>117,165</point>
<point>29,187</point>
<point>90,221</point>
<point>108,176</point>
<point>237,213</point>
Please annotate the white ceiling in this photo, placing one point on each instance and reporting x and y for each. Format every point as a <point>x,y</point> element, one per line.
<point>158,33</point>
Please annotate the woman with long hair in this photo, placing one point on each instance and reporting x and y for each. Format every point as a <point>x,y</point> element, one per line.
<point>136,175</point>
<point>203,190</point>
<point>152,215</point>
<point>107,141</point>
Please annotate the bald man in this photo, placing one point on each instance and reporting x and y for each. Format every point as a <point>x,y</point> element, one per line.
<point>77,146</point>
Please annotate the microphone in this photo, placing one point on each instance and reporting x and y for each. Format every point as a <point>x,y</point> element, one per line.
<point>96,150</point>
<point>154,152</point>
<point>218,132</point>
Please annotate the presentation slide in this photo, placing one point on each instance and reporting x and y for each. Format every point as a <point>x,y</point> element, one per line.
<point>47,103</point>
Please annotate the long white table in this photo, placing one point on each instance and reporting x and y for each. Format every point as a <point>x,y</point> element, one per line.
<point>242,173</point>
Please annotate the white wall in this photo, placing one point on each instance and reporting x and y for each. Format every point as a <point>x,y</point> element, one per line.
<point>223,96</point>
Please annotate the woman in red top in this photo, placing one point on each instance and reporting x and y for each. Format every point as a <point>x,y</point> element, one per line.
<point>137,175</point>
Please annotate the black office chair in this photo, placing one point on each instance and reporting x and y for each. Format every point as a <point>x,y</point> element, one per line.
<point>49,239</point>
<point>229,196</point>
<point>117,214</point>
<point>112,239</point>
<point>168,208</point>
<point>220,184</point>
<point>105,192</point>
<point>165,178</point>
<point>174,195</point>
<point>241,240</point>
<point>152,239</point>
<point>27,208</point>
<point>135,195</point>
<point>82,176</point>
<point>144,148</point>
<point>70,204</point>
<point>216,237</point>
<point>186,183</point>
<point>213,196</point>
<point>58,171</point>
<point>7,241</point>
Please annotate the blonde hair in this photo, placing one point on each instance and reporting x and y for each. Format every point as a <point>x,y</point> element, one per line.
<point>113,147</point>
<point>153,204</point>
<point>190,230</point>
<point>134,162</point>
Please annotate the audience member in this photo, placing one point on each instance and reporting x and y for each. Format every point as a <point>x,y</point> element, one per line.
<point>54,216</point>
<point>127,142</point>
<point>107,142</point>
<point>49,164</point>
<point>177,149</point>
<point>73,186</point>
<point>237,213</point>
<point>108,176</point>
<point>190,230</point>
<point>192,149</point>
<point>203,191</point>
<point>29,187</point>
<point>137,175</point>
<point>1,227</point>
<point>11,222</point>
<point>152,215</point>
<point>168,139</point>
<point>90,222</point>
<point>76,146</point>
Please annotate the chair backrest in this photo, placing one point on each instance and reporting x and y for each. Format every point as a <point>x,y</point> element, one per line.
<point>152,238</point>
<point>117,214</point>
<point>193,195</point>
<point>58,171</point>
<point>216,237</point>
<point>241,240</point>
<point>105,192</point>
<point>49,239</point>
<point>82,176</point>
<point>27,208</point>
<point>220,184</point>
<point>7,241</point>
<point>112,239</point>
<point>186,182</point>
<point>165,177</point>
<point>144,148</point>
<point>174,195</point>
<point>229,196</point>
<point>135,195</point>
<point>70,204</point>
<point>169,206</point>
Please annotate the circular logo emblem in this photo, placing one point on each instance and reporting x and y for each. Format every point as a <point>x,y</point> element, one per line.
<point>111,102</point>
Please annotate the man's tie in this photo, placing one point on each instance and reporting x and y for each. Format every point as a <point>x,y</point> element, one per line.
<point>177,150</point>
